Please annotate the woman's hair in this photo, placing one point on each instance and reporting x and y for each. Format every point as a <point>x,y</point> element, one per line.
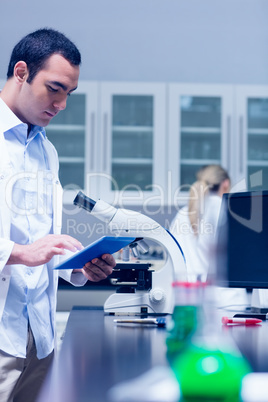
<point>209,180</point>
<point>35,48</point>
<point>213,176</point>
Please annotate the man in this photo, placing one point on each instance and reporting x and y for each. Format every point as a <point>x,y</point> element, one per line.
<point>43,71</point>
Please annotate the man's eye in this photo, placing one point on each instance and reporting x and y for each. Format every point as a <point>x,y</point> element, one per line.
<point>52,89</point>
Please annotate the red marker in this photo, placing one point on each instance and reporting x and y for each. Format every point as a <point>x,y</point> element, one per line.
<point>244,321</point>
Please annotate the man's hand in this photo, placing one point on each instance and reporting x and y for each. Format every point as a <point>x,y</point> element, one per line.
<point>98,268</point>
<point>42,250</point>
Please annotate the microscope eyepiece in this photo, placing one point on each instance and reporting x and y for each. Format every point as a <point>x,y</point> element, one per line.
<point>82,201</point>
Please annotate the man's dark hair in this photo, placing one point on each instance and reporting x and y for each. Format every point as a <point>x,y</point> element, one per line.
<point>35,48</point>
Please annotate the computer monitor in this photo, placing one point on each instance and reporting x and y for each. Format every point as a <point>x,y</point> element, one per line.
<point>242,246</point>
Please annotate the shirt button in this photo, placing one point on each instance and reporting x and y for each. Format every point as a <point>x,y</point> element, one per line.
<point>3,279</point>
<point>1,177</point>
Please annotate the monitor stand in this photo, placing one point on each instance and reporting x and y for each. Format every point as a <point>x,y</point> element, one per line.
<point>259,301</point>
<point>259,305</point>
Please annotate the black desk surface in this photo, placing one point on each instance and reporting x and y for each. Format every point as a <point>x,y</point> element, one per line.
<point>97,354</point>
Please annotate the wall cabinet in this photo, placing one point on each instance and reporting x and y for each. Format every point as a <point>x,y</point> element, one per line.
<point>251,139</point>
<point>218,124</point>
<point>200,130</point>
<point>145,141</point>
<point>131,142</point>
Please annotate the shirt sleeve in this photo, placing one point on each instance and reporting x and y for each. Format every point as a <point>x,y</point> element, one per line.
<point>75,278</point>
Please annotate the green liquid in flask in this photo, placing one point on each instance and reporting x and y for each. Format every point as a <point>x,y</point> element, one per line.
<point>209,375</point>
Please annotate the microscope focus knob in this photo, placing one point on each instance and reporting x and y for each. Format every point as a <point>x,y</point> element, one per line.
<point>157,295</point>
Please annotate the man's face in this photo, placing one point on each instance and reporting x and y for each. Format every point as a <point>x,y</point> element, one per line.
<point>39,101</point>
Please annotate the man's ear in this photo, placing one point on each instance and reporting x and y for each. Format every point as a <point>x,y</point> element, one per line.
<point>20,72</point>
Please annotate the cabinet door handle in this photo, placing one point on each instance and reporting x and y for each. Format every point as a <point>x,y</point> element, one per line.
<point>105,143</point>
<point>92,145</point>
<point>241,143</point>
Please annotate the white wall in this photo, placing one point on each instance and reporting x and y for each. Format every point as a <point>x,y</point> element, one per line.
<point>220,41</point>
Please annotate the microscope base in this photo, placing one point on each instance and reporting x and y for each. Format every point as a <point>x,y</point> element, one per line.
<point>137,304</point>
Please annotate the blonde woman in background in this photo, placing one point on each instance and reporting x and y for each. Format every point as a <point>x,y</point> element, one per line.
<point>195,226</point>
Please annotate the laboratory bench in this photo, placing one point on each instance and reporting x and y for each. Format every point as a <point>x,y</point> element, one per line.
<point>97,353</point>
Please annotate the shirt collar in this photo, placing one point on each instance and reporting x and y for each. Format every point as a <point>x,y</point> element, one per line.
<point>9,120</point>
<point>38,129</point>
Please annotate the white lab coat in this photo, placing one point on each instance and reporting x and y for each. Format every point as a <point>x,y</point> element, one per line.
<point>183,232</point>
<point>197,249</point>
<point>6,245</point>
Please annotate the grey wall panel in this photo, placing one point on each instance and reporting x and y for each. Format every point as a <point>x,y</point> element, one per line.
<point>209,41</point>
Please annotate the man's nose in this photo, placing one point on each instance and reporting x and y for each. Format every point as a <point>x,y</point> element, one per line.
<point>60,104</point>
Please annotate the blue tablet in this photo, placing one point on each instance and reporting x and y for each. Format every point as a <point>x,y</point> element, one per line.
<point>104,245</point>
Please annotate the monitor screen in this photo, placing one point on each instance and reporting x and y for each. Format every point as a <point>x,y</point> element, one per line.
<point>242,246</point>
